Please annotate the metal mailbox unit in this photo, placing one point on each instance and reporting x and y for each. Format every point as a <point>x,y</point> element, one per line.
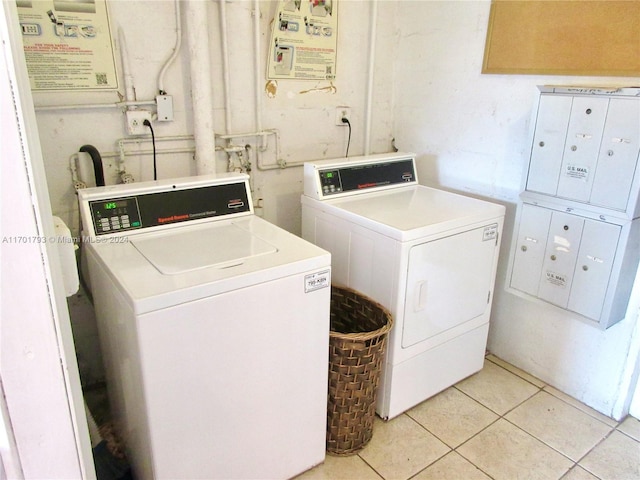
<point>577,238</point>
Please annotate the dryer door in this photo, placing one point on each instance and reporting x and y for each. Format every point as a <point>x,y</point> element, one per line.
<point>449,282</point>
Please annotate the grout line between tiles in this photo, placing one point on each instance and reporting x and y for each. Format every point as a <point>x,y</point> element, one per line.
<point>522,377</point>
<point>592,449</point>
<point>575,466</point>
<point>371,467</point>
<point>467,440</point>
<point>577,404</point>
<point>626,434</point>
<point>545,443</point>
<point>518,372</point>
<point>506,412</point>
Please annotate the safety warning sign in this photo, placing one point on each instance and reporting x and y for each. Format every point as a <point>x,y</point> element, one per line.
<point>303,40</point>
<point>67,44</point>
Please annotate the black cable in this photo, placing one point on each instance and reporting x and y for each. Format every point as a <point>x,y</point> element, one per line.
<point>97,163</point>
<point>81,247</point>
<point>153,142</point>
<point>346,120</point>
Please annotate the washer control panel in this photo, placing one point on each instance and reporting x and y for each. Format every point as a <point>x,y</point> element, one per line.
<point>115,214</point>
<point>143,210</point>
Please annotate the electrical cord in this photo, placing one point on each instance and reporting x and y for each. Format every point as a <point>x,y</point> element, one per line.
<point>153,142</point>
<point>346,120</point>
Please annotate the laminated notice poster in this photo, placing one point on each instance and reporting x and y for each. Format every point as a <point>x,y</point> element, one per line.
<point>303,40</point>
<point>67,44</point>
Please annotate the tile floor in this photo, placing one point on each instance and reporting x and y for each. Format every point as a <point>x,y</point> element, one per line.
<point>500,423</point>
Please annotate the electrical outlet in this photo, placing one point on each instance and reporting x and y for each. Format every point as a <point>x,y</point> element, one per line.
<point>342,112</point>
<point>135,122</point>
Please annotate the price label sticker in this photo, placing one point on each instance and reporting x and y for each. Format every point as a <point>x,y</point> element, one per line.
<point>490,232</point>
<point>316,281</point>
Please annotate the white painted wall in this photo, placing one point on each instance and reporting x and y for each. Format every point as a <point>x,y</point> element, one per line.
<point>471,134</point>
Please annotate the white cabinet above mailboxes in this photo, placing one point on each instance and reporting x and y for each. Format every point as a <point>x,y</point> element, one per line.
<point>585,148</point>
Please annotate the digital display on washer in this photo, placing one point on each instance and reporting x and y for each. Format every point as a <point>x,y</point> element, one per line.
<point>359,177</point>
<point>162,208</point>
<point>114,215</point>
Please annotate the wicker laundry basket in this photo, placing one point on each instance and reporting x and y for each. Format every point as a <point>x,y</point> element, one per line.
<point>359,328</point>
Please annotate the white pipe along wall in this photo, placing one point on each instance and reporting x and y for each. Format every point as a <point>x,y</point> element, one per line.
<point>176,49</point>
<point>196,15</point>
<point>470,133</point>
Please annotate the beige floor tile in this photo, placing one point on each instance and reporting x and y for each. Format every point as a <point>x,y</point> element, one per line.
<point>505,452</point>
<point>401,448</point>
<point>496,388</point>
<point>559,425</point>
<point>631,426</point>
<point>452,467</point>
<point>341,468</point>
<point>452,416</point>
<point>617,457</point>
<point>579,473</point>
<point>580,406</point>
<point>521,373</point>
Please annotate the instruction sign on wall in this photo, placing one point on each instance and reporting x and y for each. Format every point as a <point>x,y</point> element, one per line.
<point>304,40</point>
<point>68,44</point>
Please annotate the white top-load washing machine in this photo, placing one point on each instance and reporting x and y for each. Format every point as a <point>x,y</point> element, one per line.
<point>214,326</point>
<point>428,255</point>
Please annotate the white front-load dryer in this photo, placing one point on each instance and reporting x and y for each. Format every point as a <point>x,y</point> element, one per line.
<point>214,327</point>
<point>428,255</point>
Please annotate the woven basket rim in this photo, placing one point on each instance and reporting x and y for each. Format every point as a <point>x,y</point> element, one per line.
<point>364,335</point>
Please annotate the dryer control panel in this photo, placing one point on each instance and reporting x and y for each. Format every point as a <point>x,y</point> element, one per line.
<point>330,178</point>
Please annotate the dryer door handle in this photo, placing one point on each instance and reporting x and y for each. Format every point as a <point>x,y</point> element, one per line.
<point>420,295</point>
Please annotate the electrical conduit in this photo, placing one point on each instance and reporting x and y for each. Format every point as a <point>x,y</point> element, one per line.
<point>174,54</point>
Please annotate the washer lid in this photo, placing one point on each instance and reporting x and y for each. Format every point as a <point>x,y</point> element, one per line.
<point>185,250</point>
<point>258,252</point>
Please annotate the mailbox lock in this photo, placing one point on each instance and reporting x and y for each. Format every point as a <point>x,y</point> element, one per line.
<point>553,257</point>
<point>523,248</point>
<point>588,111</point>
<point>566,227</point>
<point>573,148</point>
<point>585,267</point>
<point>610,153</point>
<point>541,144</point>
